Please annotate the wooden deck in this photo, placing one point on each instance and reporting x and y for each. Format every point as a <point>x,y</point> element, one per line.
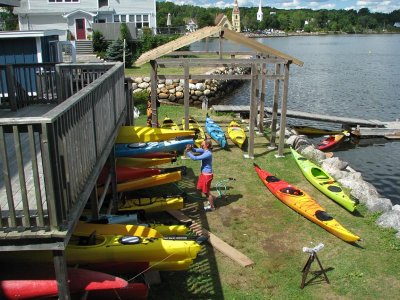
<point>302,115</point>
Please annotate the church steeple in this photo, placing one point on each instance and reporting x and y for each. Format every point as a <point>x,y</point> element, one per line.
<point>236,17</point>
<point>259,13</point>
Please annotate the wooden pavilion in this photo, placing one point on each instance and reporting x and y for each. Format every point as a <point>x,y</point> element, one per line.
<point>266,64</point>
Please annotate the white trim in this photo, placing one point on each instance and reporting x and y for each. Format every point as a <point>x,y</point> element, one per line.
<point>30,33</point>
<point>77,11</point>
<point>39,50</point>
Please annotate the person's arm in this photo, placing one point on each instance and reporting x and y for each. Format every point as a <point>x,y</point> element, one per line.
<point>203,155</point>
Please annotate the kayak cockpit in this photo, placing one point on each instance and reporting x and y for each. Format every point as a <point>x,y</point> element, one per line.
<point>291,191</point>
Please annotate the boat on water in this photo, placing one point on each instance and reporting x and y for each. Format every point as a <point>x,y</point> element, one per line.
<point>215,131</point>
<point>302,203</point>
<point>332,141</point>
<point>236,134</point>
<point>309,130</point>
<point>168,123</point>
<point>151,204</point>
<point>128,150</point>
<point>198,130</point>
<point>139,134</point>
<point>25,281</point>
<point>323,181</point>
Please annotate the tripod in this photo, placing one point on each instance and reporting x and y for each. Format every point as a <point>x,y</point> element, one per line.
<point>306,269</point>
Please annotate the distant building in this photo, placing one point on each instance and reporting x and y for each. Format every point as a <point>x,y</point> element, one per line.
<point>222,20</point>
<point>191,25</point>
<point>236,17</point>
<point>259,13</point>
<point>272,13</point>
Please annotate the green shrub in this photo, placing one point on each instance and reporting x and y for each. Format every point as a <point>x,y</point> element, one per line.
<point>140,101</point>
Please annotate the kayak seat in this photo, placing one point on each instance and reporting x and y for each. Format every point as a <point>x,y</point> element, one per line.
<point>323,215</point>
<point>88,240</point>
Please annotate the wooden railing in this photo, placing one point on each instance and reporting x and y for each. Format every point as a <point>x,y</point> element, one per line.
<point>50,163</point>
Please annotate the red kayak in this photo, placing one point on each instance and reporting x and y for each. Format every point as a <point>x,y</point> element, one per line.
<point>22,282</point>
<point>332,141</point>
<point>134,291</point>
<point>131,173</point>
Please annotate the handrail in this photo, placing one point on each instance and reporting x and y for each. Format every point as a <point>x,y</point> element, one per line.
<point>59,151</point>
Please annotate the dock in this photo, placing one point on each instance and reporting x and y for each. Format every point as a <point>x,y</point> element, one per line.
<point>360,127</point>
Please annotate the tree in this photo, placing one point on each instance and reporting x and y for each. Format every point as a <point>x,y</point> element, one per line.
<point>115,52</point>
<point>10,20</point>
<point>99,42</point>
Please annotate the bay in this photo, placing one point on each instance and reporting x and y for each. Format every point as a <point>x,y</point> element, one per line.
<point>343,75</point>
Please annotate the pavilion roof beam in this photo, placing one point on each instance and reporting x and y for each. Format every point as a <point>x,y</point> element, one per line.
<point>222,77</point>
<point>164,63</point>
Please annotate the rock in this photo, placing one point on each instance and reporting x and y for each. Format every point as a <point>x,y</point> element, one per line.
<point>162,81</point>
<point>379,204</point>
<point>172,91</point>
<point>198,93</point>
<point>134,86</point>
<point>200,86</point>
<point>334,163</point>
<point>179,89</point>
<point>160,86</point>
<point>192,86</point>
<point>291,140</point>
<point>179,95</point>
<point>169,86</point>
<point>363,191</point>
<point>164,90</point>
<point>172,98</point>
<point>168,81</point>
<point>390,219</point>
<point>137,91</point>
<point>207,92</point>
<point>163,96</point>
<point>146,79</point>
<point>138,80</point>
<point>144,85</point>
<point>313,154</point>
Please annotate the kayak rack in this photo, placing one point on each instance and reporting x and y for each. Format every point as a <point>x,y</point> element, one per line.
<point>311,258</point>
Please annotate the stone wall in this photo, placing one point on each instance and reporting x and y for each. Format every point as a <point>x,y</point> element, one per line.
<point>202,93</point>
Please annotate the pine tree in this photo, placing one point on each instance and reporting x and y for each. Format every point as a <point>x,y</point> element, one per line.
<point>115,52</point>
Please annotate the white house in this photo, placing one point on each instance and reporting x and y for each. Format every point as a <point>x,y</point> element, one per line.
<point>78,16</point>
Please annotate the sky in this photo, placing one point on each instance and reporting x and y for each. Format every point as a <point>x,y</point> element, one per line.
<point>373,5</point>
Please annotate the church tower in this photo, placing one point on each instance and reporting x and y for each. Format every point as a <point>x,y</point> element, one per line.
<point>236,17</point>
<point>259,13</point>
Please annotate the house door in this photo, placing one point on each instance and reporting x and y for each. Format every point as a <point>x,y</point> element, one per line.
<point>80,29</point>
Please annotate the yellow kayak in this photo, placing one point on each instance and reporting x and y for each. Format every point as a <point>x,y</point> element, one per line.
<point>168,123</point>
<point>148,230</point>
<point>138,134</point>
<point>146,182</point>
<point>153,204</point>
<point>140,162</point>
<point>198,130</point>
<point>236,134</point>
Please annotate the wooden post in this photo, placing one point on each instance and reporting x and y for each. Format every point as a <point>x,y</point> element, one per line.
<point>12,92</point>
<point>186,95</point>
<point>253,112</point>
<point>220,45</point>
<point>275,107</point>
<point>262,97</point>
<point>283,111</point>
<point>60,269</point>
<point>153,77</point>
<point>130,118</point>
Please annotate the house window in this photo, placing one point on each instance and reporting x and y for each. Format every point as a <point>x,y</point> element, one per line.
<point>103,3</point>
<point>123,18</point>
<point>132,18</point>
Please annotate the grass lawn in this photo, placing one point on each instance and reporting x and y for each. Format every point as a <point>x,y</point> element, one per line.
<point>253,221</point>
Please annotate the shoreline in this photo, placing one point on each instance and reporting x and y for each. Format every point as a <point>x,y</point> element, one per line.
<point>284,34</point>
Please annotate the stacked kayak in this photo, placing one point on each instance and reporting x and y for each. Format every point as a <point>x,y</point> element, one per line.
<point>236,134</point>
<point>168,123</point>
<point>198,130</point>
<point>131,173</point>
<point>215,131</point>
<point>135,290</point>
<point>323,181</point>
<point>308,130</point>
<point>124,150</point>
<point>27,282</point>
<point>138,134</point>
<point>146,182</point>
<point>152,204</point>
<point>302,203</point>
<point>332,141</point>
<point>143,162</point>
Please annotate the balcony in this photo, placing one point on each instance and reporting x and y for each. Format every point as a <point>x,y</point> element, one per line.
<point>58,123</point>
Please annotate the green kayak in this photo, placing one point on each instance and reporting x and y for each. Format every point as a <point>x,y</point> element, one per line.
<point>323,181</point>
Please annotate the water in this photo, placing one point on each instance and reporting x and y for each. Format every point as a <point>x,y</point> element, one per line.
<point>343,75</point>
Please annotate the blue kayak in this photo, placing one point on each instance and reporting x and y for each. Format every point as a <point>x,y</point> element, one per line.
<point>215,131</point>
<point>122,150</point>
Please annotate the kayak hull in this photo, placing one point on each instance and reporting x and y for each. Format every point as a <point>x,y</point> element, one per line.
<point>215,131</point>
<point>139,162</point>
<point>198,130</point>
<point>153,204</point>
<point>138,134</point>
<point>303,204</point>
<point>323,181</point>
<point>127,150</point>
<point>236,134</point>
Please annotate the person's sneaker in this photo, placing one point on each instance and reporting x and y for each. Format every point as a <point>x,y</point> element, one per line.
<point>209,208</point>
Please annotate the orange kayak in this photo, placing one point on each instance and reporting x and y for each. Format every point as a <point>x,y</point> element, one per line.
<point>302,203</point>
